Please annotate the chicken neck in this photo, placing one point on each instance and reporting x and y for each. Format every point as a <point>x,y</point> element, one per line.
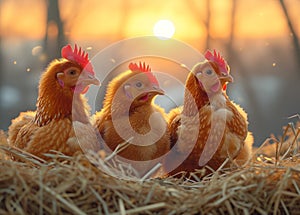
<point>195,96</point>
<point>54,103</point>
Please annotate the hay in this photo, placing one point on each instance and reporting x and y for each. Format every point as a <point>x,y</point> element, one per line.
<point>72,185</point>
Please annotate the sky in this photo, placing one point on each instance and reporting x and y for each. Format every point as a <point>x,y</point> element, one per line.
<point>92,19</point>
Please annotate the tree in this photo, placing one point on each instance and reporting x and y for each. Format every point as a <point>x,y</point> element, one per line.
<point>55,37</point>
<point>1,62</point>
<point>205,21</point>
<point>125,11</point>
<point>292,30</point>
<point>1,73</point>
<point>234,57</point>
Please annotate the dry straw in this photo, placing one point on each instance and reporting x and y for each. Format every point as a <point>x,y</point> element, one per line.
<point>268,184</point>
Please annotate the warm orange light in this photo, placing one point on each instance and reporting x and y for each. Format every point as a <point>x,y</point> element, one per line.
<point>164,29</point>
<point>52,30</point>
<point>253,19</point>
<point>23,19</point>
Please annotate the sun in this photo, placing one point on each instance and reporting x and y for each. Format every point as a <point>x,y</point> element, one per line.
<point>164,29</point>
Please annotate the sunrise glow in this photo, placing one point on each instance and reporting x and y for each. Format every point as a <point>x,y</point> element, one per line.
<point>164,29</point>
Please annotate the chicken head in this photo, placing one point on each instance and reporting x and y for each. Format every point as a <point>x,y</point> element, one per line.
<point>76,72</point>
<point>137,86</point>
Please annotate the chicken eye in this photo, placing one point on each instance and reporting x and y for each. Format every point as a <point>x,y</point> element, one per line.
<point>209,72</point>
<point>139,84</point>
<point>72,72</point>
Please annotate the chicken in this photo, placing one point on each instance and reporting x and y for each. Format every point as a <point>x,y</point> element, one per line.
<point>130,116</point>
<point>60,106</point>
<point>209,128</point>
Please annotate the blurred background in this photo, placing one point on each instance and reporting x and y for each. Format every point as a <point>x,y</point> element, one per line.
<point>259,39</point>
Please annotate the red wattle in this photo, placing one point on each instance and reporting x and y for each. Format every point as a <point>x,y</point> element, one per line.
<point>85,90</point>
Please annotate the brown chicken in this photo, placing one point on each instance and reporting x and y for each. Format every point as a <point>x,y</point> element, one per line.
<point>209,128</point>
<point>130,115</point>
<point>60,106</point>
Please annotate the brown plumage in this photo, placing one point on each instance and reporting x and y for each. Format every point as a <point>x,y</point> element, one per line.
<point>59,104</point>
<point>209,128</point>
<point>129,115</point>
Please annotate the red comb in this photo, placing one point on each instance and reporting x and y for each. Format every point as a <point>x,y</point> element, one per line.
<point>216,57</point>
<point>143,68</point>
<point>78,56</point>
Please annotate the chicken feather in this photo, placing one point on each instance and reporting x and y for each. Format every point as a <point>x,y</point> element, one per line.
<point>130,115</point>
<point>59,106</point>
<point>209,128</point>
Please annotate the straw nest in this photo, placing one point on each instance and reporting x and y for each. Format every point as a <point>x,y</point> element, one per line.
<point>269,184</point>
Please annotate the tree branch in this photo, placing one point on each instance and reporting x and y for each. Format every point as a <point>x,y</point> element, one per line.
<point>293,31</point>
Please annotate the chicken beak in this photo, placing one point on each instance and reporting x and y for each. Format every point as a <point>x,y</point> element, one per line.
<point>88,78</point>
<point>156,90</point>
<point>227,78</point>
